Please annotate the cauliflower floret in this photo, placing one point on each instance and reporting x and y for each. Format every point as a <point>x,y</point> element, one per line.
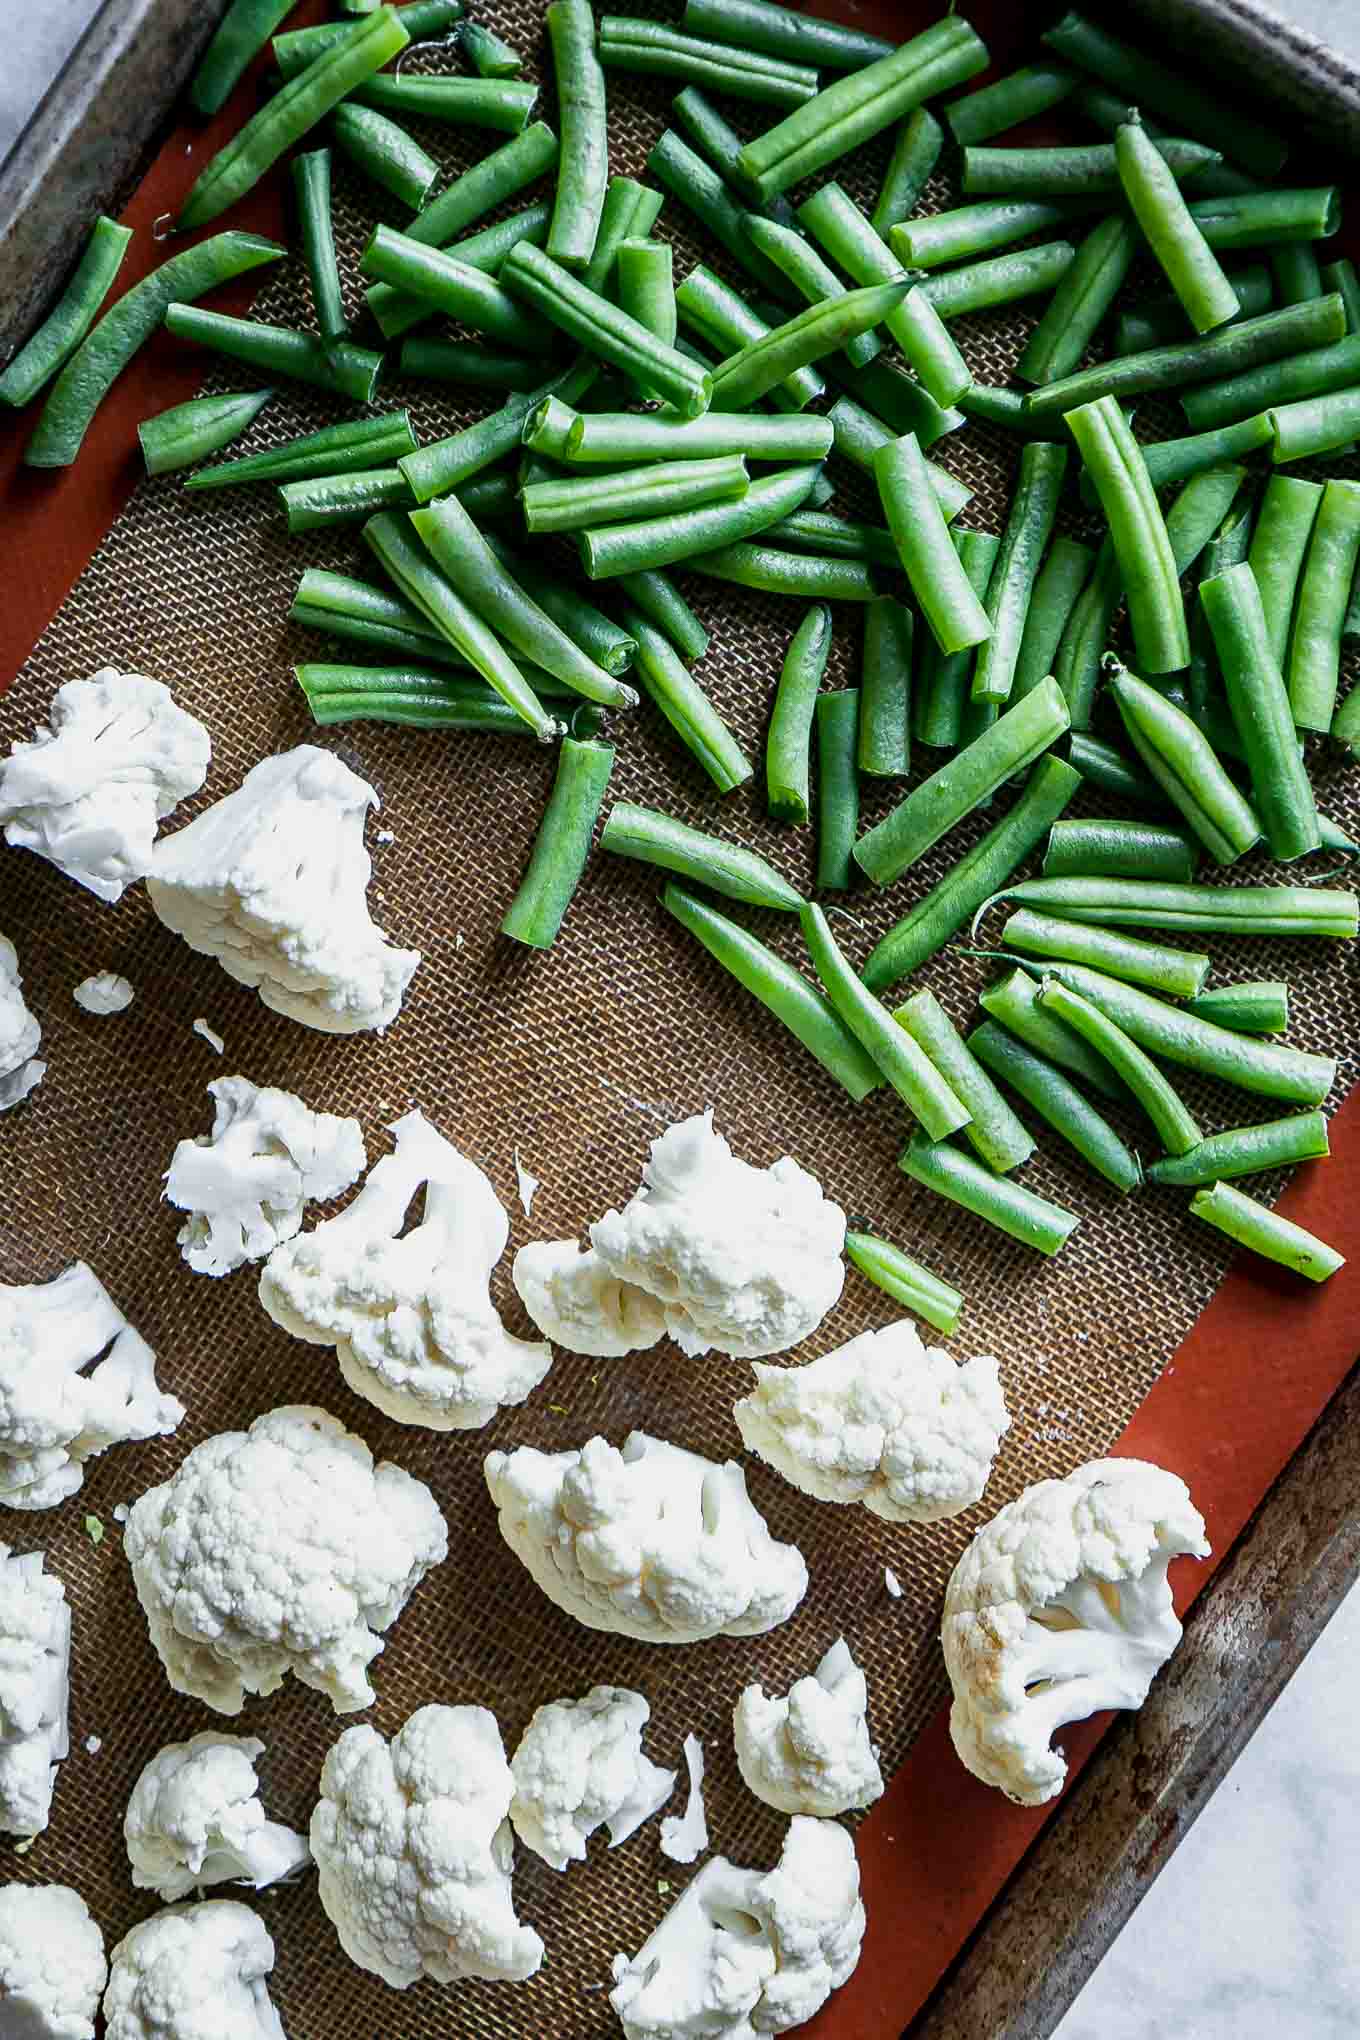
<point>53,1415</point>
<point>882,1420</point>
<point>743,1953</point>
<point>580,1767</point>
<point>280,1549</point>
<point>88,792</point>
<point>1059,1607</point>
<point>415,1851</point>
<point>52,1967</point>
<point>810,1752</point>
<point>272,881</point>
<point>411,1317</point>
<point>35,1690</point>
<point>652,1541</point>
<point>104,995</point>
<point>245,1184</point>
<point>20,1034</point>
<point>741,1260</point>
<point>197,1972</point>
<point>195,1818</point>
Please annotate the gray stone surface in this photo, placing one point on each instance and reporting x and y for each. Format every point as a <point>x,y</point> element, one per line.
<point>51,33</point>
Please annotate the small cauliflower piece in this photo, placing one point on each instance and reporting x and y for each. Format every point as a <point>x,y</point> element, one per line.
<point>20,1034</point>
<point>195,1818</point>
<point>272,881</point>
<point>810,1751</point>
<point>52,1967</point>
<point>882,1420</point>
<point>684,1836</point>
<point>651,1541</point>
<point>35,1690</point>
<point>410,1314</point>
<point>54,1416</point>
<point>415,1851</point>
<point>197,1972</point>
<point>281,1549</point>
<point>1059,1607</point>
<point>246,1183</point>
<point>743,1953</point>
<point>90,788</point>
<point>739,1260</point>
<point>105,994</point>
<point>580,1767</point>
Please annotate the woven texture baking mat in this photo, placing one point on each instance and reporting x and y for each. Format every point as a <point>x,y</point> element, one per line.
<point>577,1057</point>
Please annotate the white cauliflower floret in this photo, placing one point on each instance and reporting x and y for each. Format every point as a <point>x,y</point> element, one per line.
<point>280,1549</point>
<point>741,1260</point>
<point>743,1953</point>
<point>410,1315</point>
<point>105,994</point>
<point>652,1541</point>
<point>88,791</point>
<point>245,1184</point>
<point>35,1690</point>
<point>195,1818</point>
<point>272,881</point>
<point>52,1967</point>
<point>197,1972</point>
<point>580,1767</point>
<point>810,1751</point>
<point>882,1420</point>
<point>53,1415</point>
<point>415,1851</point>
<point>1059,1607</point>
<point>574,1300</point>
<point>20,1034</point>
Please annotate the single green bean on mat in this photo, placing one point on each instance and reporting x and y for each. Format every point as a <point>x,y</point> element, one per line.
<point>949,904</point>
<point>385,153</point>
<point>655,596</point>
<point>190,432</point>
<point>358,443</point>
<point>1260,708</point>
<point>1085,291</point>
<point>1194,909</point>
<point>1029,526</point>
<point>303,102</point>
<point>469,362</point>
<point>993,1128</point>
<point>945,1169</point>
<point>1000,280</point>
<point>916,151</point>
<point>90,372</point>
<point>1175,1125</point>
<point>645,286</point>
<point>719,316</point>
<point>666,680</point>
<point>584,167</point>
<point>423,20</point>
<point>488,55</point>
<point>1184,764</point>
<point>789,741</point>
<point>1315,373</point>
<point>884,748</point>
<point>944,677</point>
<point>1247,1151</point>
<point>1244,344</point>
<point>895,396</point>
<point>701,191</point>
<point>654,49</point>
<point>562,844</point>
<point>616,549</point>
<point>728,868</point>
<point>415,698</point>
<point>501,104</point>
<point>927,1095</point>
<point>749,374</point>
<point>934,240</point>
<point>61,332</point>
<point>1169,228</point>
<point>1056,1099</point>
<point>785,32</point>
<point>613,438</point>
<point>1118,849</point>
<point>1019,96</point>
<point>327,500</point>
<point>851,110</point>
<point>1175,973</point>
<point>802,1008</point>
<point>1138,531</point>
<point>435,469</point>
<point>1013,1001</point>
<point>1319,613</point>
<point>813,279</point>
<point>991,404</point>
<point>599,326</point>
<point>1315,425</point>
<point>905,1280</point>
<point>803,576</point>
<point>820,531</point>
<point>239,37</point>
<point>1274,1238</point>
<point>1076,663</point>
<point>1266,219</point>
<point>1106,769</point>
<point>452,286</point>
<point>1057,587</point>
<point>1261,1007</point>
<point>947,601</point>
<point>584,502</point>
<point>718,142</point>
<point>1159,321</point>
<point>312,186</point>
<point>1091,169</point>
<point>837,726</point>
<point>337,365</point>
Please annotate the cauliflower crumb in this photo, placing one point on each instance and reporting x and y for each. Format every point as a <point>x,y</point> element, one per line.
<point>684,1836</point>
<point>104,994</point>
<point>527,1184</point>
<point>210,1035</point>
<point>892,1583</point>
<point>93,1745</point>
<point>386,836</point>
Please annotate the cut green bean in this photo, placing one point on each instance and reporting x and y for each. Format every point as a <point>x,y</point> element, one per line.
<point>990,404</point>
<point>1346,723</point>
<point>1261,707</point>
<point>1058,1102</point>
<point>1000,280</point>
<point>804,577</point>
<point>785,32</point>
<point>61,332</point>
<point>617,549</point>
<point>436,469</point>
<point>942,688</point>
<point>1106,769</point>
<point>412,697</point>
<point>385,153</point>
<point>701,190</point>
<point>1160,321</point>
<point>1084,294</point>
<point>1341,277</point>
<point>1013,1001</point>
<point>782,990</point>
<point>1274,1238</point>
<point>1247,1151</point>
<point>603,330</point>
<point>1175,973</point>
<point>906,1281</point>
<point>396,311</point>
<point>501,104</point>
<point>654,49</point>
<point>562,844</point>
<point>891,394</point>
<point>597,635</point>
<point>449,285</point>
<point>1169,228</point>
<point>956,617</point>
<point>884,748</point>
<point>728,868</point>
<point>1175,1125</point>
<point>467,362</point>
<point>328,500</point>
<point>717,141</point>
<point>1081,172</point>
<point>645,287</point>
<point>1185,766</point>
<point>822,532</point>
<point>583,502</point>
<point>355,445</point>
<point>968,231</point>
<point>926,1094</point>
<point>1264,219</point>
<point>1317,372</point>
<point>993,1129</point>
<point>1076,663</point>
<point>1295,269</point>
<point>339,366</point>
<point>239,37</point>
<point>655,596</point>
<point>789,742</point>
<point>613,438</point>
<point>916,151</point>
<point>950,903</point>
<point>1255,1008</point>
<point>1315,425</point>
<point>1117,849</point>
<point>1147,566</point>
<point>719,316</point>
<point>584,168</point>
<point>859,435</point>
<point>813,279</point>
<point>664,677</point>
<point>945,1169</point>
<point>746,376</point>
<point>423,20</point>
<point>1019,96</point>
<point>488,55</point>
<point>362,614</point>
<point>1057,588</point>
<point>190,432</point>
<point>629,212</point>
<point>312,186</point>
<point>1029,526</point>
<point>837,725</point>
<point>1319,613</point>
<point>1194,909</point>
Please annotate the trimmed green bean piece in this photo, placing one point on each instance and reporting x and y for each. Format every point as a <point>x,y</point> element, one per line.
<point>613,438</point>
<point>657,598</point>
<point>785,32</point>
<point>562,844</point>
<point>344,499</point>
<point>1117,849</point>
<point>1264,219</point>
<point>968,231</point>
<point>190,432</point>
<point>1158,321</point>
<point>859,435</point>
<point>749,374</point>
<point>1175,973</point>
<point>239,37</point>
<point>348,448</point>
<point>290,114</point>
<point>990,404</point>
<point>1029,526</point>
<point>1274,1238</point>
<point>906,1281</point>
<point>993,1129</point>
<point>452,286</point>
<point>944,909</point>
<point>729,868</point>
<point>1260,707</point>
<point>1341,277</point>
<point>488,55</point>
<point>896,397</point>
<point>884,749</point>
<point>1319,613</point>
<point>1019,96</point>
<point>617,549</point>
<point>583,502</point>
<point>1084,294</point>
<point>645,287</point>
<point>369,616</point>
<point>1175,1125</point>
<point>1315,373</point>
<point>385,153</point>
<point>48,349</point>
<point>701,190</point>
<point>813,279</point>
<point>468,362</point>
<point>926,1094</point>
<point>1033,1220</point>
<point>916,151</point>
<point>1147,566</point>
<point>821,532</point>
<point>1057,587</point>
<point>435,469</point>
<point>1076,663</point>
<point>782,990</point>
<point>837,724</point>
<point>1058,1102</point>
<point>1255,1008</point>
<point>805,577</point>
<point>788,744</point>
<point>1092,169</point>
<point>1168,226</point>
<point>1295,270</point>
<point>714,311</point>
<point>338,366</point>
<point>597,635</point>
<point>1109,771</point>
<point>1346,723</point>
<point>423,20</point>
<point>414,698</point>
<point>942,688</point>
<point>1000,280</point>
<point>584,168</point>
<point>654,49</point>
<point>1184,764</point>
<point>600,327</point>
<point>312,186</point>
<point>1315,425</point>
<point>664,677</point>
<point>1195,909</point>
<point>1013,1001</point>
<point>1228,547</point>
<point>956,617</point>
<point>1247,1151</point>
<point>396,311</point>
<point>629,212</point>
<point>1170,461</point>
<point>718,142</point>
<point>501,104</point>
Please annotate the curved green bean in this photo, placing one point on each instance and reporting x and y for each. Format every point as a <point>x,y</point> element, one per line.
<point>666,541</point>
<point>993,1129</point>
<point>789,741</point>
<point>729,868</point>
<point>1117,849</point>
<point>916,151</point>
<point>239,37</point>
<point>1085,292</point>
<point>1019,96</point>
<point>1058,1102</point>
<point>562,845</point>
<point>1013,1001</point>
<point>667,681</point>
<point>991,404</point>
<point>385,153</point>
<point>1175,1125</point>
<point>655,596</point>
<point>190,432</point>
<point>48,349</point>
<point>1185,766</point>
<point>1255,1008</point>
<point>1247,1151</point>
<point>884,747</point>
<point>1319,614</point>
<point>1175,973</point>
<point>340,366</point>
<point>905,1280</point>
<point>1033,1220</point>
<point>1265,1232</point>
